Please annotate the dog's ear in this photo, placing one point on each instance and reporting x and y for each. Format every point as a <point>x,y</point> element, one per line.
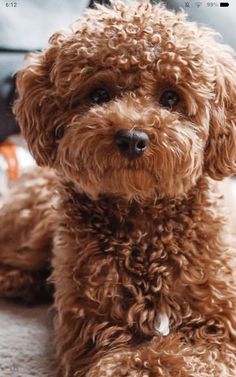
<point>36,104</point>
<point>220,159</point>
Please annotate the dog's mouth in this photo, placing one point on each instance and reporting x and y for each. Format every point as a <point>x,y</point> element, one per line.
<point>130,174</point>
<point>129,168</point>
<point>129,181</point>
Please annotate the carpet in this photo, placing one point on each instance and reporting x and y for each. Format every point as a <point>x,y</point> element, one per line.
<point>26,342</point>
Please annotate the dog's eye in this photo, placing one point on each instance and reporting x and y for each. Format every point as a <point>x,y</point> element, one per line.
<point>169,99</point>
<point>59,132</point>
<point>99,96</point>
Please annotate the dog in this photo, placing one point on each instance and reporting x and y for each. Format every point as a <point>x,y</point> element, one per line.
<point>130,113</point>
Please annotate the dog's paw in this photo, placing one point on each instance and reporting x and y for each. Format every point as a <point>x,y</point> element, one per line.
<point>132,364</point>
<point>117,364</point>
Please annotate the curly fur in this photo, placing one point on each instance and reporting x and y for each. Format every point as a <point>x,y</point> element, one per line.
<point>26,237</point>
<point>133,239</point>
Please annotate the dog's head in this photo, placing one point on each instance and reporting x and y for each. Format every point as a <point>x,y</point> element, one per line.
<point>132,100</point>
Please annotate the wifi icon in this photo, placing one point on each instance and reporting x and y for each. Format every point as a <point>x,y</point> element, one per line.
<point>198,4</point>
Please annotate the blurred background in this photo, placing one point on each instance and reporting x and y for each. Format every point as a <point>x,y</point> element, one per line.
<point>26,25</point>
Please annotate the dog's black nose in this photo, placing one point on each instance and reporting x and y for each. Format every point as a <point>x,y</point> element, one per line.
<point>131,143</point>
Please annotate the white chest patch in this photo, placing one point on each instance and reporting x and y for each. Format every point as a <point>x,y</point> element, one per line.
<point>163,324</point>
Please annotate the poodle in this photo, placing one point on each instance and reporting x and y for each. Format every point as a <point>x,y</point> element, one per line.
<point>130,114</point>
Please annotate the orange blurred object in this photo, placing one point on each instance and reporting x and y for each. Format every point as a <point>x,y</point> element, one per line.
<point>8,151</point>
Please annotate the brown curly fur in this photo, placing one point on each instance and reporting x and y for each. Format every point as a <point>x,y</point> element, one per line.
<point>26,237</point>
<point>135,238</point>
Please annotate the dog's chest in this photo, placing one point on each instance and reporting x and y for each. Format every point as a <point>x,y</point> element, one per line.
<point>137,261</point>
<point>142,254</point>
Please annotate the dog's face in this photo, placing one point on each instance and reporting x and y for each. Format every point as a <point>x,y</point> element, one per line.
<point>132,100</point>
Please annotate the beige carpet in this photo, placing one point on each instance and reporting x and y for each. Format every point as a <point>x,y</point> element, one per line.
<point>26,346</point>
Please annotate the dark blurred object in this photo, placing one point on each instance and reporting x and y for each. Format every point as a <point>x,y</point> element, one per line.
<point>92,2</point>
<point>10,61</point>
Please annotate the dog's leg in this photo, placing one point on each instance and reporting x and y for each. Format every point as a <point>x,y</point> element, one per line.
<point>169,357</point>
<point>25,286</point>
<point>26,236</point>
<point>160,357</point>
<point>163,356</point>
<point>111,354</point>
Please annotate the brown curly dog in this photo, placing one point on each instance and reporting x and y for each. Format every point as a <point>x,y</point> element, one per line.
<point>134,108</point>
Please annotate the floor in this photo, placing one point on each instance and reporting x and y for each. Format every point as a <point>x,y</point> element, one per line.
<point>26,345</point>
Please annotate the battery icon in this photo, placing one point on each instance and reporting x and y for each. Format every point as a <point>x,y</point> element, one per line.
<point>224,4</point>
